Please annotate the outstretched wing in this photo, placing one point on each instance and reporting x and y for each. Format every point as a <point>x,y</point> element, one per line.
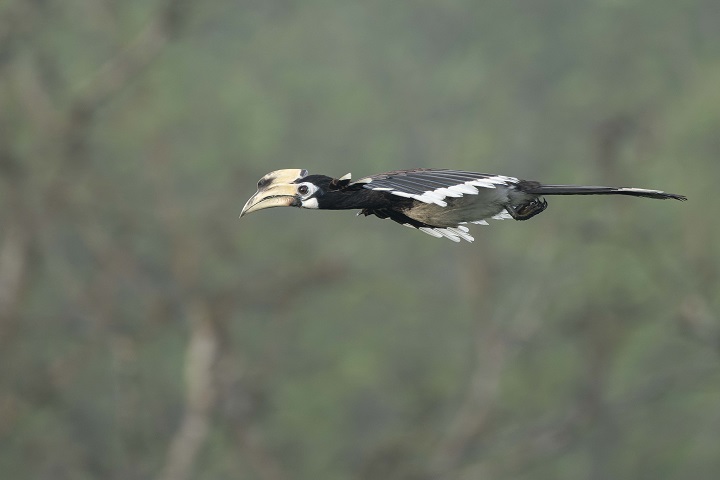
<point>433,185</point>
<point>436,186</point>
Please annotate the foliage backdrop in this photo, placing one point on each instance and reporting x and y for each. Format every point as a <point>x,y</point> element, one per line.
<point>145,332</point>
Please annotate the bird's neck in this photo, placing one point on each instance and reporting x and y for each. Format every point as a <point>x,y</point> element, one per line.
<point>350,200</point>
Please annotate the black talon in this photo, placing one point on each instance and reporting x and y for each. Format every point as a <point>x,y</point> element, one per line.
<point>527,210</point>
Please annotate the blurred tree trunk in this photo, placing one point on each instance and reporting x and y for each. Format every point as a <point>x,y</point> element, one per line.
<point>201,356</point>
<point>14,252</point>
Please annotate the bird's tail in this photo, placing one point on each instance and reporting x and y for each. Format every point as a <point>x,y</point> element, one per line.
<point>589,190</point>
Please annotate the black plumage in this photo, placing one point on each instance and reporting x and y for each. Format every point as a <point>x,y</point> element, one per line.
<point>438,202</point>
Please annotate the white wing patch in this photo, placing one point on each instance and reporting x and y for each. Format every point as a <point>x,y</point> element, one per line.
<point>461,232</point>
<point>452,233</point>
<point>427,197</point>
<point>434,186</point>
<point>500,216</point>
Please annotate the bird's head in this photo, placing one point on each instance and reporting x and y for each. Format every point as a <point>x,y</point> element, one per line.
<point>289,188</point>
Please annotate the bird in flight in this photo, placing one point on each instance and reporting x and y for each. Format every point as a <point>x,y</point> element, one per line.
<point>438,202</point>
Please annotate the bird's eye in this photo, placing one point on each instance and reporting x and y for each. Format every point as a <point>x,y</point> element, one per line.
<point>303,189</point>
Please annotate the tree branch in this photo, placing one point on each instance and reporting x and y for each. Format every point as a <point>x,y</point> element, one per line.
<point>117,72</point>
<point>471,417</point>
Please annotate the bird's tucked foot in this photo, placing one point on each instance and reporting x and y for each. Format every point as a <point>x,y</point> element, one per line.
<point>527,210</point>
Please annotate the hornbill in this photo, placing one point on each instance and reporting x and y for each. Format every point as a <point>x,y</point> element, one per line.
<point>438,202</point>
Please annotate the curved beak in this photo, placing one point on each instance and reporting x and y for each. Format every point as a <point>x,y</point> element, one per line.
<point>283,195</point>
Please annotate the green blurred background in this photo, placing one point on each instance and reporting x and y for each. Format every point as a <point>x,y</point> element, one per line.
<point>147,333</point>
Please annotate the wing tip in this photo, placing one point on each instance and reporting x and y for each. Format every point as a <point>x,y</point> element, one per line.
<point>455,234</point>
